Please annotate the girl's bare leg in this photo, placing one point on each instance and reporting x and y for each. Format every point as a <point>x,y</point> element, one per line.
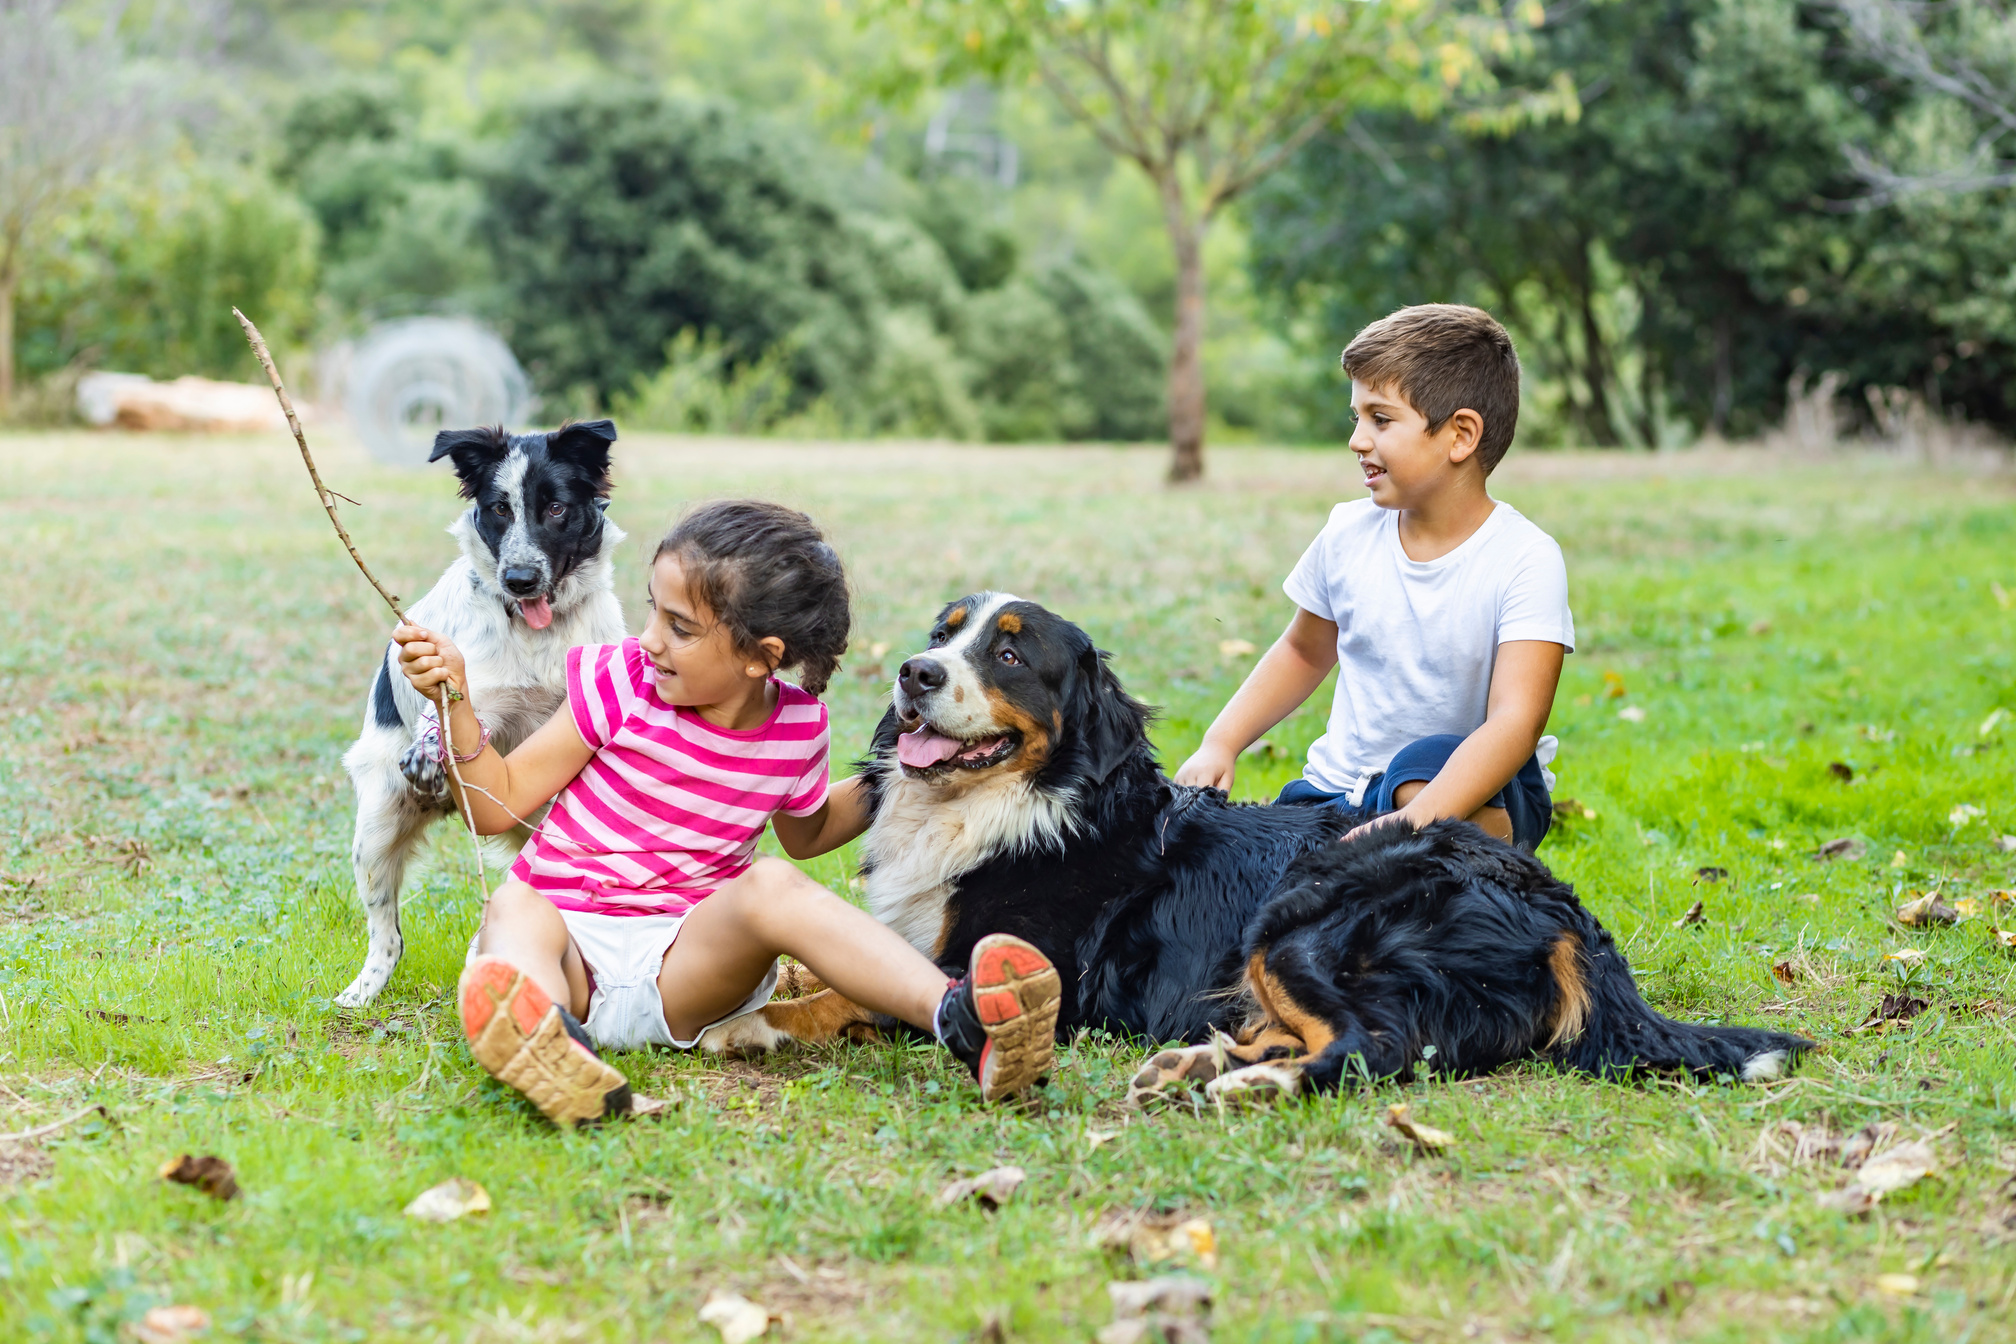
<point>729,940</point>
<point>525,929</point>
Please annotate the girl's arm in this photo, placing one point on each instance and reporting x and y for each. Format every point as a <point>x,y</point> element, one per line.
<point>839,819</point>
<point>500,785</point>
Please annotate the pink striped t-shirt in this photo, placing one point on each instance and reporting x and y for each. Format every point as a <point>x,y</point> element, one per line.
<point>669,807</point>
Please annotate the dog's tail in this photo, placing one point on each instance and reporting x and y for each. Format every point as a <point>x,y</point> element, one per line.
<point>1623,1035</point>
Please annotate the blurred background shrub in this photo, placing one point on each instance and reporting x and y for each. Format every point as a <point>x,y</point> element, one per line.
<point>698,216</point>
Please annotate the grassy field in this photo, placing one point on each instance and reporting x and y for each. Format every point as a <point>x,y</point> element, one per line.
<point>186,661</point>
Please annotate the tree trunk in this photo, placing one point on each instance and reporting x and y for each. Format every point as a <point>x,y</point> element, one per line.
<point>1186,355</point>
<point>7,278</point>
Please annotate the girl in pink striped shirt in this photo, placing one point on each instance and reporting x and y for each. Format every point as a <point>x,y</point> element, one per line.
<point>638,914</point>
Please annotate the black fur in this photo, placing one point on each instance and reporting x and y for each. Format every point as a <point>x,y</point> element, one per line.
<point>1160,893</point>
<point>384,707</point>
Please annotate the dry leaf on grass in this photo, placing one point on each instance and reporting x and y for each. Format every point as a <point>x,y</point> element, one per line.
<point>991,1188</point>
<point>1906,956</point>
<point>1170,1310</point>
<point>1963,813</point>
<point>1897,1285</point>
<point>737,1318</point>
<point>1895,1011</point>
<point>1567,809</point>
<point>1926,911</point>
<point>212,1175</point>
<point>1426,1138</point>
<point>1693,916</point>
<point>170,1325</point>
<point>1888,1171</point>
<point>1710,874</point>
<point>448,1201</point>
<point>1842,771</point>
<point>1158,1238</point>
<point>2007,844</point>
<point>1847,847</point>
<point>1632,714</point>
<point>1784,972</point>
<point>2003,938</point>
<point>1235,648</point>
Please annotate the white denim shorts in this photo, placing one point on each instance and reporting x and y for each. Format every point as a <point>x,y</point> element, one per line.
<point>625,953</point>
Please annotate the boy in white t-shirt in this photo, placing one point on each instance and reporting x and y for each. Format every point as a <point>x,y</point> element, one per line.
<point>1444,611</point>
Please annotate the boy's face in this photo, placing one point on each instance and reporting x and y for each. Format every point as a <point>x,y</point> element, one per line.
<point>1405,465</point>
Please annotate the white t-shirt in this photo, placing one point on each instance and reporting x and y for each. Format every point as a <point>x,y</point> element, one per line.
<point>1417,639</point>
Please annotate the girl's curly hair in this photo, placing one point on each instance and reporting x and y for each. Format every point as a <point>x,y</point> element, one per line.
<point>765,570</point>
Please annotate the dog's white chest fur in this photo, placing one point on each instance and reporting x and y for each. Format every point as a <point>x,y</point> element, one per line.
<point>922,842</point>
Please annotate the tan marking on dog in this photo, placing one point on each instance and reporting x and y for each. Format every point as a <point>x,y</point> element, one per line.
<point>1010,623</point>
<point>1285,1017</point>
<point>816,1018</point>
<point>955,616</point>
<point>1035,751</point>
<point>1571,1009</point>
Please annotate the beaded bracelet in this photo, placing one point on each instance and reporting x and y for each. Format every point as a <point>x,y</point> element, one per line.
<point>482,744</point>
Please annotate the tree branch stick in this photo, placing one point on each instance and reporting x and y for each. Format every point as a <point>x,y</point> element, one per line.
<point>447,693</point>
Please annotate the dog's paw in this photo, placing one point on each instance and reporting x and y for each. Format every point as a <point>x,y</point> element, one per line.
<point>424,772</point>
<point>1173,1076</point>
<point>1256,1084</point>
<point>364,988</point>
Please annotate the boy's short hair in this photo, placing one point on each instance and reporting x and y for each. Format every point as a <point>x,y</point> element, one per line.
<point>1443,358</point>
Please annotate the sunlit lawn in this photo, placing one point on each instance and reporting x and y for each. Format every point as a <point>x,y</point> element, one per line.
<point>186,658</point>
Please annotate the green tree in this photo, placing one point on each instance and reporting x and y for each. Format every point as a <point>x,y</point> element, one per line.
<point>1206,97</point>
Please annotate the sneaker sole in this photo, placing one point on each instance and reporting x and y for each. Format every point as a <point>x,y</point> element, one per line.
<point>1016,992</point>
<point>520,1038</point>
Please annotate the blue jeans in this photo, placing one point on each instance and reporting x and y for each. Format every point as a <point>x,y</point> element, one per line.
<point>1524,798</point>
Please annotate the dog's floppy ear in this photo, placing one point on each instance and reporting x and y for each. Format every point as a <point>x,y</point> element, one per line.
<point>1111,723</point>
<point>475,451</point>
<point>585,444</point>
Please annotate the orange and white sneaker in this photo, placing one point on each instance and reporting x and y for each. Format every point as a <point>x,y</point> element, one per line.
<point>528,1042</point>
<point>1001,1020</point>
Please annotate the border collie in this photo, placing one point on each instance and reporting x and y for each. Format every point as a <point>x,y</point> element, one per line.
<point>1014,789</point>
<point>535,578</point>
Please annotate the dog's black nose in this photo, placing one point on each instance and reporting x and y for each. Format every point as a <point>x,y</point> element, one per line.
<point>521,580</point>
<point>919,675</point>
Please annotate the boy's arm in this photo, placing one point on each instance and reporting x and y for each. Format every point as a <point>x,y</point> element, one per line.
<point>1278,684</point>
<point>839,819</point>
<point>1521,698</point>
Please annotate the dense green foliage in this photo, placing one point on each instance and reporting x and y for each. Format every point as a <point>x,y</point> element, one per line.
<point>176,909</point>
<point>1680,250</point>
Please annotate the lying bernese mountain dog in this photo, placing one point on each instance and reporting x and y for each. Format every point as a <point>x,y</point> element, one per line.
<point>1014,790</point>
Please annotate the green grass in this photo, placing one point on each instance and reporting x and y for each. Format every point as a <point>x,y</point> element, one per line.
<point>185,664</point>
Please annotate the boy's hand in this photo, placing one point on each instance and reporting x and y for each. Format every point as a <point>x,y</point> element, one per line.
<point>1210,767</point>
<point>1405,816</point>
<point>428,660</point>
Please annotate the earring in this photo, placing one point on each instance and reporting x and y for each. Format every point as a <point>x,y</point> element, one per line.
<point>755,671</point>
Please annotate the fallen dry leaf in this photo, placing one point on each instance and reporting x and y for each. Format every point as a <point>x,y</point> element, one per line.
<point>1900,860</point>
<point>1096,1138</point>
<point>737,1318</point>
<point>1613,686</point>
<point>448,1201</point>
<point>2004,938</point>
<point>1842,771</point>
<point>1895,1168</point>
<point>1710,875</point>
<point>1760,626</point>
<point>1963,813</point>
<point>171,1325</point>
<point>1847,847</point>
<point>1896,1010</point>
<point>1906,956</point>
<point>1897,1285</point>
<point>1158,1238</point>
<point>1425,1138</point>
<point>1168,1310</point>
<point>2007,844</point>
<point>1632,714</point>
<point>212,1175</point>
<point>1784,973</point>
<point>1235,648</point>
<point>1926,911</point>
<point>1567,809</point>
<point>991,1188</point>
<point>1693,916</point>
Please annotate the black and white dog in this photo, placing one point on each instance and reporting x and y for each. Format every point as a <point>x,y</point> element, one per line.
<point>535,579</point>
<point>1014,790</point>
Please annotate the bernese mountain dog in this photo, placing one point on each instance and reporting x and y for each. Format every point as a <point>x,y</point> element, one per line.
<point>1014,790</point>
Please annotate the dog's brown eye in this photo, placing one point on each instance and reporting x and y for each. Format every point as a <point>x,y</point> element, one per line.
<point>1008,656</point>
<point>937,638</point>
<point>556,511</point>
<point>501,510</point>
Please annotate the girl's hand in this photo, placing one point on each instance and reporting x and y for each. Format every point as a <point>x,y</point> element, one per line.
<point>428,660</point>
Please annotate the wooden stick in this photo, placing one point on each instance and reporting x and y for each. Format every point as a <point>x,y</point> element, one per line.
<point>447,693</point>
<point>51,1127</point>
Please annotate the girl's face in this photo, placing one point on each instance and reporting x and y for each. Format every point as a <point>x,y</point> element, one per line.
<point>696,662</point>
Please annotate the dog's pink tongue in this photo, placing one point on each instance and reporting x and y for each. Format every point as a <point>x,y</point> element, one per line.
<point>538,613</point>
<point>923,749</point>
